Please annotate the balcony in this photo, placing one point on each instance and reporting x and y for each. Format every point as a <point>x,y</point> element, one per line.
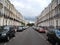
<point>57,16</point>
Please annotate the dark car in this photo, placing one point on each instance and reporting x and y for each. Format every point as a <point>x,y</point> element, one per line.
<point>6,32</point>
<point>54,36</point>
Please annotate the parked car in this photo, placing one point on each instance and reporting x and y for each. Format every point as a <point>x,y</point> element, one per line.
<point>14,28</point>
<point>6,33</point>
<point>54,36</point>
<point>24,28</point>
<point>11,27</point>
<point>41,30</point>
<point>36,28</point>
<point>19,28</point>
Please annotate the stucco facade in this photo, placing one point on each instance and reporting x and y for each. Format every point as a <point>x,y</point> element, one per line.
<point>50,15</point>
<point>8,14</point>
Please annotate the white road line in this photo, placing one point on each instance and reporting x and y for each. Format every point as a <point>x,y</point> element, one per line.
<point>9,41</point>
<point>41,36</point>
<point>44,38</point>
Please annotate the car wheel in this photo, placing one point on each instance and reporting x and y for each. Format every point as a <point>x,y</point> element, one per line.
<point>48,39</point>
<point>13,35</point>
<point>8,38</point>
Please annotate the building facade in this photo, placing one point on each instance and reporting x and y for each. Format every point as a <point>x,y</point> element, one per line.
<point>50,16</point>
<point>8,14</point>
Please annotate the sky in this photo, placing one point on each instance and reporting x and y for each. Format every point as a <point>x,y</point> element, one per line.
<point>30,9</point>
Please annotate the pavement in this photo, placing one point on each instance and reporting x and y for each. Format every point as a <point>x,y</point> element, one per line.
<point>28,37</point>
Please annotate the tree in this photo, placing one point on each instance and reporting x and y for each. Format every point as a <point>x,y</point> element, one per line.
<point>30,24</point>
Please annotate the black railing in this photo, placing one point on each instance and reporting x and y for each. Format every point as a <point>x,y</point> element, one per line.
<point>8,17</point>
<point>56,16</point>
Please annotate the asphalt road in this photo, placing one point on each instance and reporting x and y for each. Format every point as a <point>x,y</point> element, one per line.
<point>28,37</point>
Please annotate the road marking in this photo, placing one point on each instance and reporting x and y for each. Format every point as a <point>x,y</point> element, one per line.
<point>42,37</point>
<point>9,41</point>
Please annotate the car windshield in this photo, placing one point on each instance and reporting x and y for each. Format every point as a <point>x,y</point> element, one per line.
<point>6,27</point>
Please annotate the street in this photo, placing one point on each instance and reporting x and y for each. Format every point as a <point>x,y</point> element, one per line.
<point>28,37</point>
<point>29,22</point>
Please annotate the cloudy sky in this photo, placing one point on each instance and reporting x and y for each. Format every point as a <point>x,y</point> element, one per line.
<point>30,8</point>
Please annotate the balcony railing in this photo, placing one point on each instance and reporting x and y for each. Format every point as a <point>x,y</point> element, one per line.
<point>7,17</point>
<point>57,16</point>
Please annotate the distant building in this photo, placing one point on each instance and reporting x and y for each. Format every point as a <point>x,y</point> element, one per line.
<point>8,14</point>
<point>50,16</point>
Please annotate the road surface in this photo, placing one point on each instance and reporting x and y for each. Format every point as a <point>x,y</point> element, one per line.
<point>28,37</point>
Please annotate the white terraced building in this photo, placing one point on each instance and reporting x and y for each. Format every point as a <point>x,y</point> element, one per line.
<point>50,15</point>
<point>8,14</point>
